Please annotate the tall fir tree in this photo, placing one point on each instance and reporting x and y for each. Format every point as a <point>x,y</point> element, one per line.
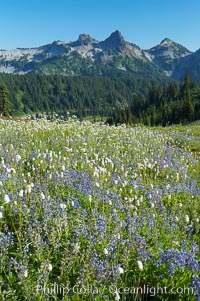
<point>4,104</point>
<point>188,104</point>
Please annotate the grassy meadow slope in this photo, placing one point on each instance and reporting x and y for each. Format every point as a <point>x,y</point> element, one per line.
<point>92,212</point>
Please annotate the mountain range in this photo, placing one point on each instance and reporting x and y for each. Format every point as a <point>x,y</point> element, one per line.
<point>112,57</point>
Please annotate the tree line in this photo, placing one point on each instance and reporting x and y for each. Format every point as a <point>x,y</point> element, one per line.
<point>169,103</point>
<point>120,100</point>
<point>82,96</point>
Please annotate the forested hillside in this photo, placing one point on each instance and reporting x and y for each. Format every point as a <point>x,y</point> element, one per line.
<point>128,99</point>
<point>165,104</point>
<point>79,95</point>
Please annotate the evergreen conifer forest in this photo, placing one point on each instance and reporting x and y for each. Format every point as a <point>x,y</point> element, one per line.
<point>117,99</point>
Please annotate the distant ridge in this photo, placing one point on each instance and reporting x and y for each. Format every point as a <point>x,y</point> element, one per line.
<point>112,57</point>
<point>167,55</point>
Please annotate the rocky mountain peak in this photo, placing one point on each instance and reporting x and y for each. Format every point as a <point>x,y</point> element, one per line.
<point>85,39</point>
<point>114,41</point>
<point>177,49</point>
<point>167,55</point>
<point>113,55</point>
<point>116,35</point>
<point>166,42</point>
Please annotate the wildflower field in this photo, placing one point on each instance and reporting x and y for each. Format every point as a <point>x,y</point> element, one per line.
<point>92,212</point>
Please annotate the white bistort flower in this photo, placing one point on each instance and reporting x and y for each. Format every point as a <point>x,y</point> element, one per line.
<point>49,267</point>
<point>105,251</point>
<point>62,206</point>
<point>76,247</point>
<point>18,158</point>
<point>187,219</point>
<point>176,219</point>
<point>120,270</point>
<point>6,199</point>
<point>140,265</point>
<point>117,296</point>
<point>28,189</point>
<point>42,196</point>
<point>21,193</point>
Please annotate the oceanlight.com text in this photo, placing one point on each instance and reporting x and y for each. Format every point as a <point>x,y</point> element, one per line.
<point>79,289</point>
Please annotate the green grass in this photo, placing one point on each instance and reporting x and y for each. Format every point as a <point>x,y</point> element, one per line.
<point>84,205</point>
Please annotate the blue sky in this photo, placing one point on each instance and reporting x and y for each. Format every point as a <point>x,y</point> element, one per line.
<point>29,23</point>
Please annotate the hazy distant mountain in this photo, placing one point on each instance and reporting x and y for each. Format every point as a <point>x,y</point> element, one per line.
<point>112,57</point>
<point>191,64</point>
<point>167,55</point>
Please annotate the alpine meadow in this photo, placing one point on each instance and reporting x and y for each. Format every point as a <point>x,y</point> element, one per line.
<point>99,151</point>
<point>97,212</point>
